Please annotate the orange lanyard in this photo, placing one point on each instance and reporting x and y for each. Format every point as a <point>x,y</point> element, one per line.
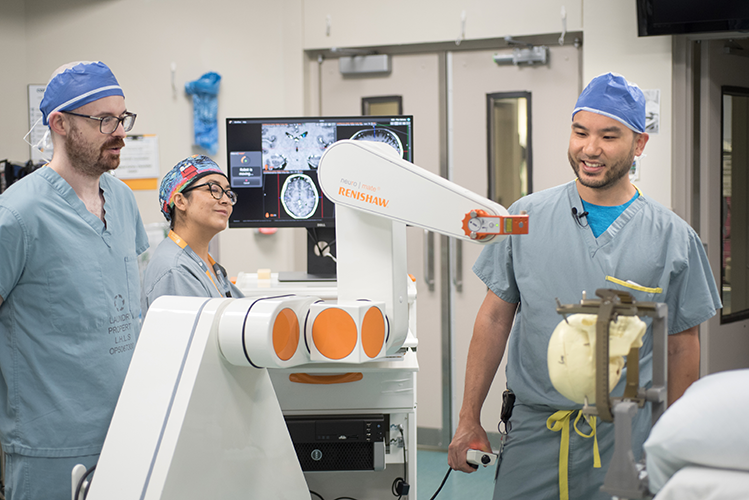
<point>216,268</point>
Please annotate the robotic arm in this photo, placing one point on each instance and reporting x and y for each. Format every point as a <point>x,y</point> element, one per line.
<point>371,178</point>
<point>376,194</point>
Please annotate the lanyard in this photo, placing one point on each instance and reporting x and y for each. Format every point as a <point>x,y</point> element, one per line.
<point>218,271</point>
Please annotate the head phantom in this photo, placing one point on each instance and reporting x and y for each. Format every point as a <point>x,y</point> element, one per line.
<point>613,96</point>
<point>181,176</point>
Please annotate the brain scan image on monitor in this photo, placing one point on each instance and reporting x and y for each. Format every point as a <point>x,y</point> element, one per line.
<point>295,146</point>
<point>380,134</point>
<point>299,196</point>
<point>274,164</point>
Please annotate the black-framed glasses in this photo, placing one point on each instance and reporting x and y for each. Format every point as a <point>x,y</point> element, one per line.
<point>216,191</point>
<point>108,124</point>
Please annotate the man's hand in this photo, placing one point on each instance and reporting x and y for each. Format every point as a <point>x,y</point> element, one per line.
<point>469,436</point>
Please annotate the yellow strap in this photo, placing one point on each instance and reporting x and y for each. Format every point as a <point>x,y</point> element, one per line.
<point>592,422</point>
<point>559,421</point>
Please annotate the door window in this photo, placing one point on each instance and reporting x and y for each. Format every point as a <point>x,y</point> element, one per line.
<point>735,209</point>
<point>509,124</point>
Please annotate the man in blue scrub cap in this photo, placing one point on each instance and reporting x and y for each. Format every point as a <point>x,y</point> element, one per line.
<point>70,236</point>
<point>597,231</point>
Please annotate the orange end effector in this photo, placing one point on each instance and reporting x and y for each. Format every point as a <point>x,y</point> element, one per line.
<point>478,224</point>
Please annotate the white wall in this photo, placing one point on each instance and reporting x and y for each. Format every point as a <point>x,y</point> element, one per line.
<point>13,102</point>
<point>255,46</point>
<point>258,47</point>
<point>397,22</point>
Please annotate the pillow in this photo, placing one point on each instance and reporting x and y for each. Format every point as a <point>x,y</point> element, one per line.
<point>706,426</point>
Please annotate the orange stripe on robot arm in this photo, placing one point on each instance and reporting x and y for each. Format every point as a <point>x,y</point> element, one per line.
<point>341,378</point>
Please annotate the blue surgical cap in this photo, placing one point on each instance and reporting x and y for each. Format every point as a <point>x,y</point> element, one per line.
<point>78,85</point>
<point>613,96</point>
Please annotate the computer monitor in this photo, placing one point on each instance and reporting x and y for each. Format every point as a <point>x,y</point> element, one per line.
<point>273,169</point>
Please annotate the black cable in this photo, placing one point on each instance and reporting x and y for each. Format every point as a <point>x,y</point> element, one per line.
<point>80,483</point>
<point>405,461</point>
<point>316,494</point>
<point>441,485</point>
<point>312,234</point>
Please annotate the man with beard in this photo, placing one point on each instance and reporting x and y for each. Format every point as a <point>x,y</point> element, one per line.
<point>70,236</point>
<point>598,231</point>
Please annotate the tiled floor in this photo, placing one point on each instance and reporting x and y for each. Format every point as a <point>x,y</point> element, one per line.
<point>431,470</point>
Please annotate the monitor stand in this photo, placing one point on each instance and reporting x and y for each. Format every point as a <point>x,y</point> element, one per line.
<point>319,268</point>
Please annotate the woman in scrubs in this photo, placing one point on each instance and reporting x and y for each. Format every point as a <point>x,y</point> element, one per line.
<point>197,200</point>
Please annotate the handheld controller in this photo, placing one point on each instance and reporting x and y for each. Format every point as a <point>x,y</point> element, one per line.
<point>478,457</point>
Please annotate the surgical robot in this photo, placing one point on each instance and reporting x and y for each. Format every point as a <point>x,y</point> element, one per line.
<point>198,417</point>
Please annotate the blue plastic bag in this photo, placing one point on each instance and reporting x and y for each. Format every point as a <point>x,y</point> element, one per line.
<point>204,93</point>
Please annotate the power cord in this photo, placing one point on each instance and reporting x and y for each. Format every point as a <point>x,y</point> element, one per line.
<point>449,470</point>
<point>321,497</point>
<point>321,246</point>
<point>80,484</point>
<point>400,486</point>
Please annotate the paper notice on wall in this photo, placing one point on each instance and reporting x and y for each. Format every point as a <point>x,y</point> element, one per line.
<point>652,111</point>
<point>36,93</point>
<point>139,161</point>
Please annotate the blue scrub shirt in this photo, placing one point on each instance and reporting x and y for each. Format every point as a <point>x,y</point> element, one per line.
<point>176,270</point>
<point>70,316</point>
<point>648,251</point>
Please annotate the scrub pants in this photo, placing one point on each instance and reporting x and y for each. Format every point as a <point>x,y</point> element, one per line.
<point>529,465</point>
<point>42,478</point>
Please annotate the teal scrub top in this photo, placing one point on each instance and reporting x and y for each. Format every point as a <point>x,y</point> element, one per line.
<point>174,269</point>
<point>71,313</point>
<point>648,251</point>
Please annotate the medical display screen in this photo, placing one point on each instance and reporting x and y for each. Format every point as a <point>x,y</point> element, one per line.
<point>273,164</point>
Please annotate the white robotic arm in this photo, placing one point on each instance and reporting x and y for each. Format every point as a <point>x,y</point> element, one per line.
<point>372,178</point>
<point>376,194</point>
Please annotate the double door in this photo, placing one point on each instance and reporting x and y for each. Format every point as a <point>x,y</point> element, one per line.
<point>450,96</point>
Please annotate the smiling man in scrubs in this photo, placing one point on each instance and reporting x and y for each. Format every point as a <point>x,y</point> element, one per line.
<point>597,231</point>
<point>70,235</point>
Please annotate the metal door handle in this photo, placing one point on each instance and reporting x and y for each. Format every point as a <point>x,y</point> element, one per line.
<point>458,266</point>
<point>429,259</point>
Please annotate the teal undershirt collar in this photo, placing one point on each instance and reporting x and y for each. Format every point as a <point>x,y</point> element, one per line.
<point>601,217</point>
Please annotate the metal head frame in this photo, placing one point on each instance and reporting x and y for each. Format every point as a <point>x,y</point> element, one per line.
<point>623,478</point>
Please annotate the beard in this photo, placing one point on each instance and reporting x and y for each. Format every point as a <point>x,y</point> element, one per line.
<point>88,158</point>
<point>615,170</point>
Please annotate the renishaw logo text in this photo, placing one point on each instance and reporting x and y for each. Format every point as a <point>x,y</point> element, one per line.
<point>367,198</point>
